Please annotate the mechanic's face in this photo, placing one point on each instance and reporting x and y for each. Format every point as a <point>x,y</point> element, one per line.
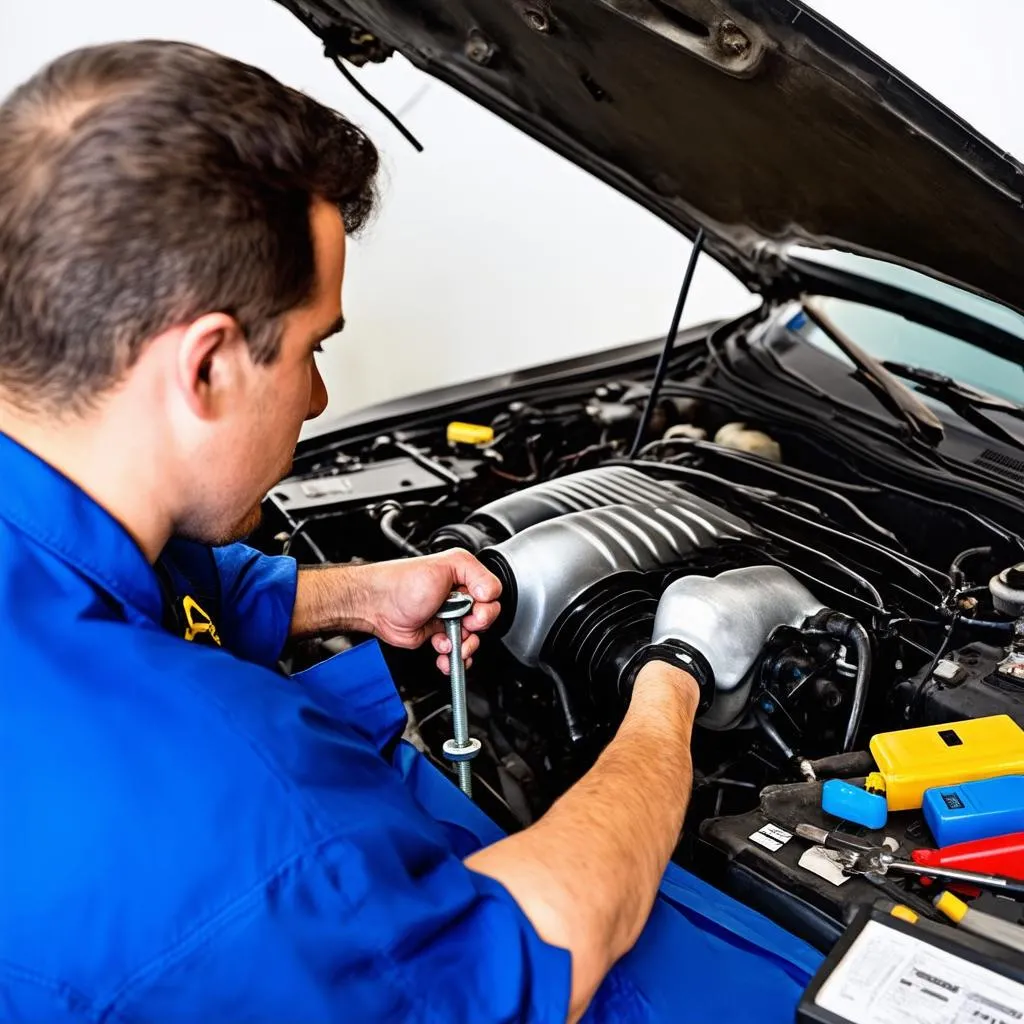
<point>265,406</point>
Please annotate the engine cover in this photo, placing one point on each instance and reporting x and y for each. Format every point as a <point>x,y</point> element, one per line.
<point>578,492</point>
<point>547,567</point>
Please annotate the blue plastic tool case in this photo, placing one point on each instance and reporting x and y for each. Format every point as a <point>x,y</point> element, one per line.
<point>975,810</point>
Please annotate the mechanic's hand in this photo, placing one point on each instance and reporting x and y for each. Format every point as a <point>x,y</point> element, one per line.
<point>408,593</point>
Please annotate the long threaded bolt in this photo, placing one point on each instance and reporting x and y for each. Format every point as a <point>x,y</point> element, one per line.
<point>462,749</point>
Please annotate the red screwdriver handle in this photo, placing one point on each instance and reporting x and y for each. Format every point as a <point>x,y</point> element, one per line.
<point>1000,855</point>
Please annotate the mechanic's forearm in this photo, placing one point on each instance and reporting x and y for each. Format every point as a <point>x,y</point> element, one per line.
<point>330,599</point>
<point>587,873</point>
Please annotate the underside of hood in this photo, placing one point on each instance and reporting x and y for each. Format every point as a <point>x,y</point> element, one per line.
<point>755,119</point>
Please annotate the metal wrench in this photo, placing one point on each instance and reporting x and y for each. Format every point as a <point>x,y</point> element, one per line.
<point>861,857</point>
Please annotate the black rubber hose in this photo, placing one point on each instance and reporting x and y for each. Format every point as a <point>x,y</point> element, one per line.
<point>844,766</point>
<point>956,572</point>
<point>842,627</point>
<point>387,527</point>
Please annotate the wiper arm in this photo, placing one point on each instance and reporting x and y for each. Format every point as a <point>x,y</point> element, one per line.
<point>942,387</point>
<point>967,402</point>
<point>896,397</point>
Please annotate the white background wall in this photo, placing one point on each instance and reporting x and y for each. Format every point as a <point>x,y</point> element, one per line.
<point>490,252</point>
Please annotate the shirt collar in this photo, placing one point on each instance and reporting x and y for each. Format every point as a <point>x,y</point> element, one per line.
<point>59,516</point>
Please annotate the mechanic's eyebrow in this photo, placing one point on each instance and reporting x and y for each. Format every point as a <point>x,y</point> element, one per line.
<point>336,328</point>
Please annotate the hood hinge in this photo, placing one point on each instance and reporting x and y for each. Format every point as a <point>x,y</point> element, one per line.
<point>356,45</point>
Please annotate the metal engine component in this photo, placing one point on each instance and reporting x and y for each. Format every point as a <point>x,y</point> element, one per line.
<point>546,567</point>
<point>589,489</point>
<point>1007,589</point>
<point>728,618</point>
<point>402,478</point>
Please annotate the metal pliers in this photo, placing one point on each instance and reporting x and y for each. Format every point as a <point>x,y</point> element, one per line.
<point>861,857</point>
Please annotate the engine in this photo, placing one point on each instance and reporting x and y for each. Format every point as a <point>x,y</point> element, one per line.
<point>581,588</point>
<point>889,604</point>
<point>585,557</point>
<point>584,560</point>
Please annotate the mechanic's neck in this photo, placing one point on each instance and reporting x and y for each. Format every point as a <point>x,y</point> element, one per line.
<point>109,454</point>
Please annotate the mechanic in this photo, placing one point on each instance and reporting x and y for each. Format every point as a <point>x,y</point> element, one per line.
<point>186,833</point>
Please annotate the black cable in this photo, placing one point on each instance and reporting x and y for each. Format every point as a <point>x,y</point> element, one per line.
<point>670,341</point>
<point>956,569</point>
<point>918,694</point>
<point>375,103</point>
<point>299,530</point>
<point>295,531</point>
<point>773,734</point>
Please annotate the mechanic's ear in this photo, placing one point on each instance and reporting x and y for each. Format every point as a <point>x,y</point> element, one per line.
<point>211,362</point>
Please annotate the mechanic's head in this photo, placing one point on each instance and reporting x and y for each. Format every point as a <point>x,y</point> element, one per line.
<point>172,245</point>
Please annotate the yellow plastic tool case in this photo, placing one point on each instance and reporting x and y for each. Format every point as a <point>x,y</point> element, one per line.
<point>913,760</point>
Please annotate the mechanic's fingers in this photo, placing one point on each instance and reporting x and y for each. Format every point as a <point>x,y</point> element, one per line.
<point>470,644</point>
<point>466,570</point>
<point>482,616</point>
<point>444,664</point>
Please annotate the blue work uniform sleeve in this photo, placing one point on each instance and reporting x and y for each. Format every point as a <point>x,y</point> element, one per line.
<point>359,930</point>
<point>257,600</point>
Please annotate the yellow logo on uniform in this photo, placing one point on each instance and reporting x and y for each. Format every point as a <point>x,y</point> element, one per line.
<point>199,623</point>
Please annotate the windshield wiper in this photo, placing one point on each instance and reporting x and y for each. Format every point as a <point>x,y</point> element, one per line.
<point>944,387</point>
<point>895,396</point>
<point>968,402</point>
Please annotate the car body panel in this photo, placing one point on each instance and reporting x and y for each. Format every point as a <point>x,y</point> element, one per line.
<point>756,120</point>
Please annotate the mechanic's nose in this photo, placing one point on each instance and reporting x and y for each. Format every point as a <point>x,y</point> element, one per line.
<point>317,394</point>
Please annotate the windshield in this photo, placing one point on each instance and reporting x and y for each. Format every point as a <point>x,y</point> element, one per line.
<point>888,336</point>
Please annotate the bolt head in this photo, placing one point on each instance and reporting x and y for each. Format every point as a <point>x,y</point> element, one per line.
<point>478,49</point>
<point>536,19</point>
<point>732,40</point>
<point>457,606</point>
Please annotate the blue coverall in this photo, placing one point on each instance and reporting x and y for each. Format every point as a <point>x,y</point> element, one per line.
<point>188,835</point>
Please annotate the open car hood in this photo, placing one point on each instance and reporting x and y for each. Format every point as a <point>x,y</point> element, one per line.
<point>755,119</point>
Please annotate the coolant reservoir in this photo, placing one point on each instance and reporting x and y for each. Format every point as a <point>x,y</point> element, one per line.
<point>1007,589</point>
<point>736,435</point>
<point>687,430</point>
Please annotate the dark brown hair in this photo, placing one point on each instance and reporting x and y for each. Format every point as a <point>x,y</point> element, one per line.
<point>144,184</point>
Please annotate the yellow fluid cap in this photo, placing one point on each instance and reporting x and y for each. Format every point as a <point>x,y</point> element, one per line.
<point>469,433</point>
<point>951,906</point>
<point>875,783</point>
<point>904,914</point>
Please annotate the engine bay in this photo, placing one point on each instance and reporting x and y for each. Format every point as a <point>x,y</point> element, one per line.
<point>896,587</point>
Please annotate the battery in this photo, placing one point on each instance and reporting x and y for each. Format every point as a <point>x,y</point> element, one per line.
<point>889,970</point>
<point>913,760</point>
<point>975,810</point>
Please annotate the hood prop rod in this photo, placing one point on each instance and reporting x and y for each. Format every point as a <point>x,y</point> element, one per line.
<point>670,341</point>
